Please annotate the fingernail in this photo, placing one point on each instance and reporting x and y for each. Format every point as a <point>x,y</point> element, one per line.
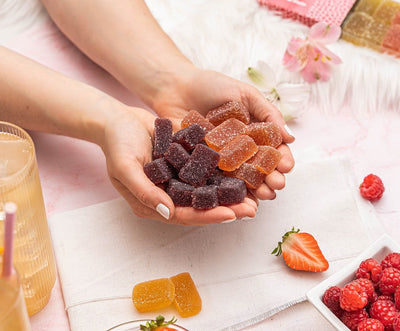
<point>247,218</point>
<point>229,221</point>
<point>163,210</point>
<point>288,130</point>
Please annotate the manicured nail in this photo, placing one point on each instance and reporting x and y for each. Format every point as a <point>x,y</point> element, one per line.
<point>163,210</point>
<point>229,221</point>
<point>247,218</point>
<point>288,130</point>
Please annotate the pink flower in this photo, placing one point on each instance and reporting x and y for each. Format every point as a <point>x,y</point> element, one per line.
<point>310,57</point>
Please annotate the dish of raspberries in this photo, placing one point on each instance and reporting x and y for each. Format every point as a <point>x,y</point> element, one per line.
<point>371,300</point>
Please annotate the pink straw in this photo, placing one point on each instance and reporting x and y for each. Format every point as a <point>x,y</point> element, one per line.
<point>10,209</point>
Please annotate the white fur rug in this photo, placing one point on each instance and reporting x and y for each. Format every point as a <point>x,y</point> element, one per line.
<point>231,35</point>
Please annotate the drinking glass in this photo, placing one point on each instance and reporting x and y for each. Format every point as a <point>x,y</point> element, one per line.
<point>13,313</point>
<point>20,183</point>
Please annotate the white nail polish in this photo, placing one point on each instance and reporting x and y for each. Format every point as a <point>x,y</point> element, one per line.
<point>229,221</point>
<point>288,130</point>
<point>163,210</point>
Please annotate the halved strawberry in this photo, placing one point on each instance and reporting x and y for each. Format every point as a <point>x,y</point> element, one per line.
<point>300,251</point>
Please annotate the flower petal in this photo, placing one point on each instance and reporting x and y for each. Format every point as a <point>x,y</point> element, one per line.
<point>324,33</point>
<point>294,45</point>
<point>268,73</point>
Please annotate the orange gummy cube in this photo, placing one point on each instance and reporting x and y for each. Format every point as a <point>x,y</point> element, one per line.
<point>392,38</point>
<point>237,151</point>
<point>249,173</point>
<point>266,159</point>
<point>187,298</point>
<point>367,6</point>
<point>355,28</point>
<point>194,117</point>
<point>265,133</point>
<point>231,109</point>
<point>224,133</point>
<point>153,294</point>
<point>386,11</point>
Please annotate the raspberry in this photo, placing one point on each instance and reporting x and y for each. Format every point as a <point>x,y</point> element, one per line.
<point>352,318</point>
<point>385,297</point>
<point>390,279</point>
<point>331,300</point>
<point>391,260</point>
<point>353,297</point>
<point>370,324</point>
<point>367,287</point>
<point>370,269</point>
<point>385,311</point>
<point>396,322</point>
<point>397,298</point>
<point>372,188</point>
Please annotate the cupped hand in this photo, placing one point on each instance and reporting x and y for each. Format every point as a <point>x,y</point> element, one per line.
<point>204,90</point>
<point>127,147</point>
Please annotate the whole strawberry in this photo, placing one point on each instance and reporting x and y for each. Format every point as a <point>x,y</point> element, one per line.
<point>372,188</point>
<point>384,311</point>
<point>391,260</point>
<point>370,324</point>
<point>370,269</point>
<point>331,300</point>
<point>390,280</point>
<point>352,318</point>
<point>353,297</point>
<point>300,251</point>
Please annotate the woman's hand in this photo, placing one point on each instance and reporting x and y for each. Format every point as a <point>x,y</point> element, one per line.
<point>127,146</point>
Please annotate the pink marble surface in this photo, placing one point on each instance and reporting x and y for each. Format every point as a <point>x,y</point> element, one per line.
<point>73,172</point>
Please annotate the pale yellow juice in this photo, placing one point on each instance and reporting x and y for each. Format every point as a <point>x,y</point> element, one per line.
<point>13,315</point>
<point>33,254</point>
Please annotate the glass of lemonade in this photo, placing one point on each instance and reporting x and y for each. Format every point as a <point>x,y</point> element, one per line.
<point>20,183</point>
<point>13,314</point>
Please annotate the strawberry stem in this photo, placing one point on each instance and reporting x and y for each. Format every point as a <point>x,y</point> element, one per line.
<point>278,250</point>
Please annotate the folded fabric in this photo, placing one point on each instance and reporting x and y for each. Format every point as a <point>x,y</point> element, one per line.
<point>104,250</point>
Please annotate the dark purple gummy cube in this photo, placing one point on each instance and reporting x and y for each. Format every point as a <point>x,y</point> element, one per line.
<point>216,178</point>
<point>231,190</point>
<point>205,197</point>
<point>200,166</point>
<point>190,136</point>
<point>176,155</point>
<point>159,171</point>
<point>162,136</point>
<point>180,193</point>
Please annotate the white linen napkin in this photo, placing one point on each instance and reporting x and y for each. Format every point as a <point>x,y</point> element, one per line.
<point>103,250</point>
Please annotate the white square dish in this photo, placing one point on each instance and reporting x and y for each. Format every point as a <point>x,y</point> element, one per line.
<point>377,250</point>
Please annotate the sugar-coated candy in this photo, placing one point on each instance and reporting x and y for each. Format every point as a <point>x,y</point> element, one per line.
<point>216,178</point>
<point>237,151</point>
<point>231,109</point>
<point>180,193</point>
<point>386,11</point>
<point>153,294</point>
<point>355,28</point>
<point>392,39</point>
<point>177,155</point>
<point>159,170</point>
<point>375,35</point>
<point>200,166</point>
<point>249,173</point>
<point>367,6</point>
<point>190,136</point>
<point>265,133</point>
<point>162,136</point>
<point>224,133</point>
<point>266,159</point>
<point>187,298</point>
<point>231,190</point>
<point>194,117</point>
<point>205,197</point>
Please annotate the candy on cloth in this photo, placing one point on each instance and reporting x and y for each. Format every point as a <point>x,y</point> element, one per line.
<point>375,35</point>
<point>266,159</point>
<point>194,117</point>
<point>237,151</point>
<point>386,11</point>
<point>224,133</point>
<point>177,155</point>
<point>200,166</point>
<point>153,294</point>
<point>231,109</point>
<point>162,136</point>
<point>187,299</point>
<point>249,173</point>
<point>180,193</point>
<point>355,27</point>
<point>367,6</point>
<point>190,136</point>
<point>231,190</point>
<point>205,197</point>
<point>159,170</point>
<point>265,133</point>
